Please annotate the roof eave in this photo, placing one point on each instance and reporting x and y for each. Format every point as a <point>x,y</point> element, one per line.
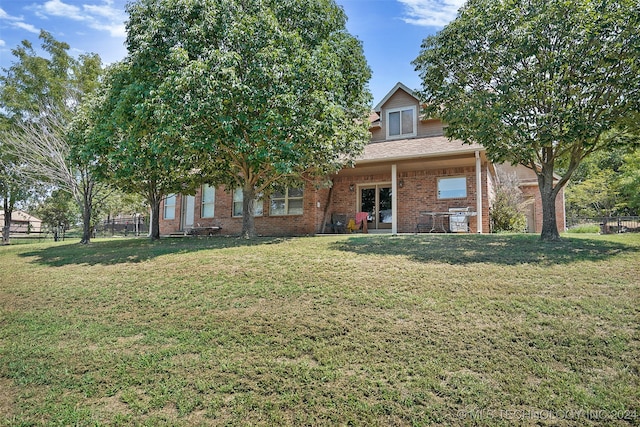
<point>418,156</point>
<point>398,85</point>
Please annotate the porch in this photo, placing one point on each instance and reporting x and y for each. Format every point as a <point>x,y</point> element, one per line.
<point>445,194</point>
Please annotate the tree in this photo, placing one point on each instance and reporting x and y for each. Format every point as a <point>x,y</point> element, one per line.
<point>120,133</point>
<point>58,210</point>
<point>260,94</point>
<point>45,152</point>
<point>537,82</point>
<point>629,183</point>
<point>39,96</point>
<point>12,188</point>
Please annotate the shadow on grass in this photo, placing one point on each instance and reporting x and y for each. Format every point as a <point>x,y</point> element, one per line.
<point>495,249</point>
<point>127,251</point>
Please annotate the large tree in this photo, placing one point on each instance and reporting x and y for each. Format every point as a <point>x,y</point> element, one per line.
<point>537,82</point>
<point>260,93</point>
<point>39,95</point>
<point>121,134</point>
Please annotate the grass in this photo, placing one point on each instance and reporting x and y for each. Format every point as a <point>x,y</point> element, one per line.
<point>585,229</point>
<point>338,330</point>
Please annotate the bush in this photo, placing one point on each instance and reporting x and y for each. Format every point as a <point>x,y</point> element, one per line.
<point>507,211</point>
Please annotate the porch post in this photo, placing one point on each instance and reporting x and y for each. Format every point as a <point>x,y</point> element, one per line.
<point>394,199</point>
<point>479,192</point>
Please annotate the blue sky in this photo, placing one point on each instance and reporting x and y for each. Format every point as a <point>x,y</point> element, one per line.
<point>391,31</point>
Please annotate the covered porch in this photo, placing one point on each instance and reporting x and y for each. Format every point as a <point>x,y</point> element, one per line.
<point>426,194</point>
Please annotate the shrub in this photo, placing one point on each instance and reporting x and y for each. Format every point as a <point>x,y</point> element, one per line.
<point>507,211</point>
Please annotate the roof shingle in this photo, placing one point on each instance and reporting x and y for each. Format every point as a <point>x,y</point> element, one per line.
<point>401,149</point>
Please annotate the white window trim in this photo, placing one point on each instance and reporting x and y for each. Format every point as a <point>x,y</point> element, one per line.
<point>414,110</point>
<point>466,193</point>
<point>172,206</point>
<point>204,203</point>
<point>258,201</point>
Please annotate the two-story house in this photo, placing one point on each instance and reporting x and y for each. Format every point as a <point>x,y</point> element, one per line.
<point>409,178</point>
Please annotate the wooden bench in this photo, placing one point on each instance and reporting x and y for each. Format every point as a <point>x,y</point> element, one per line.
<point>204,231</point>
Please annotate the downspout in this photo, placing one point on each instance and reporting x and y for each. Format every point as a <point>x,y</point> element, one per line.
<point>394,199</point>
<point>479,191</point>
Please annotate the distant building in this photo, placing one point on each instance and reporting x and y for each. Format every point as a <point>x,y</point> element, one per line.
<point>22,222</point>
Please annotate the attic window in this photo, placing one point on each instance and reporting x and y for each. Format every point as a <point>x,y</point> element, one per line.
<point>401,122</point>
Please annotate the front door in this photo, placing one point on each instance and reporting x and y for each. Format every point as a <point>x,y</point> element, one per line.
<point>376,200</point>
<point>188,212</point>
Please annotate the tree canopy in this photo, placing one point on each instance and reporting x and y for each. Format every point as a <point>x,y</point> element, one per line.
<point>255,95</point>
<point>120,133</point>
<point>39,95</point>
<point>605,184</point>
<point>537,82</point>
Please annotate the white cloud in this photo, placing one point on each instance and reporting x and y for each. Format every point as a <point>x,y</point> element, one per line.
<point>17,22</point>
<point>2,43</point>
<point>431,13</point>
<point>58,8</point>
<point>102,17</point>
<point>27,27</point>
<point>6,16</point>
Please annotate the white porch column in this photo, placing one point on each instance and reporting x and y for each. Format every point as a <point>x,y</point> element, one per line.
<point>479,191</point>
<point>394,199</point>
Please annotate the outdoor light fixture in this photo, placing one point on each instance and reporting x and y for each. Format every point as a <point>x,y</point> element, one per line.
<point>401,184</point>
<point>351,187</point>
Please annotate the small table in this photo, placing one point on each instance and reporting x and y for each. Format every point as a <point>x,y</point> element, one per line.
<point>437,221</point>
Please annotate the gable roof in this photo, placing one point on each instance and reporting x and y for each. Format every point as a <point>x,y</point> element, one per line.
<point>398,86</point>
<point>21,216</point>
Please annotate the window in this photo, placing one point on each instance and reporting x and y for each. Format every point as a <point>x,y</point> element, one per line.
<point>208,201</point>
<point>452,188</point>
<point>237,203</point>
<point>170,207</point>
<point>287,203</point>
<point>402,123</point>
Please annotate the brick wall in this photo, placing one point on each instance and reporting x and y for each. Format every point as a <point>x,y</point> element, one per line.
<point>419,192</point>
<point>265,225</point>
<point>534,193</point>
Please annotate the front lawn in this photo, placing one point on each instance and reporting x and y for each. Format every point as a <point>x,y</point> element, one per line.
<point>337,330</point>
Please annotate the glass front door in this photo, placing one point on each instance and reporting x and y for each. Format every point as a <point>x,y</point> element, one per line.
<point>376,201</point>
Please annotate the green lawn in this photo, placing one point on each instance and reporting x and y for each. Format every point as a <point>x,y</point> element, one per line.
<point>337,330</point>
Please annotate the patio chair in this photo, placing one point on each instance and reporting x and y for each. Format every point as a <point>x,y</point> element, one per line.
<point>338,223</point>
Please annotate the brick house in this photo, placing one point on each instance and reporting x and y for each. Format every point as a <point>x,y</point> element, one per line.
<point>409,178</point>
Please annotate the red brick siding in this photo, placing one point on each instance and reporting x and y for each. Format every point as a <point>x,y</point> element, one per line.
<point>534,192</point>
<point>418,193</point>
<point>265,225</point>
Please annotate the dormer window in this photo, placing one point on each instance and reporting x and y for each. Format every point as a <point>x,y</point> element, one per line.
<point>402,123</point>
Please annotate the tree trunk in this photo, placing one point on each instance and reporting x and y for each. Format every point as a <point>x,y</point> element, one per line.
<point>154,226</point>
<point>248,211</point>
<point>548,195</point>
<point>86,220</point>
<point>6,226</point>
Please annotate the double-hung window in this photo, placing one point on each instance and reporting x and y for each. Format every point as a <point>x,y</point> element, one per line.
<point>208,201</point>
<point>288,202</point>
<point>402,122</point>
<point>170,207</point>
<point>238,207</point>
